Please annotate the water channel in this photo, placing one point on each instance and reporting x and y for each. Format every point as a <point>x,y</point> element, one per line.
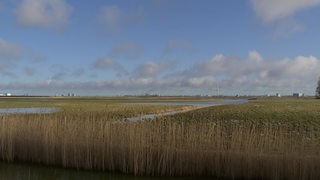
<point>187,103</point>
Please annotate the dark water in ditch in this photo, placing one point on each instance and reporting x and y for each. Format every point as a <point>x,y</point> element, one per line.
<point>26,171</point>
<point>20,171</point>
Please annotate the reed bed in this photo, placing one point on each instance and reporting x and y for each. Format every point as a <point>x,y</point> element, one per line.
<point>258,140</point>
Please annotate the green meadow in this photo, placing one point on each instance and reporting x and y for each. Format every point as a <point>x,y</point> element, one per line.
<point>265,138</point>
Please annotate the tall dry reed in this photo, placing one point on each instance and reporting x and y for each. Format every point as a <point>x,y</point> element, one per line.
<point>161,147</point>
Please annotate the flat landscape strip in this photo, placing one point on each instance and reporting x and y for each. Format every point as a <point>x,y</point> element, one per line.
<point>261,139</point>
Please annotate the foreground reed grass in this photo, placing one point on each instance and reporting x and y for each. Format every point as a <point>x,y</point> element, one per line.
<point>255,140</point>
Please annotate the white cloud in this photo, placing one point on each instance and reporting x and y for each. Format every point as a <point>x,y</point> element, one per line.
<point>9,50</point>
<point>104,63</point>
<point>253,72</point>
<point>111,17</point>
<point>281,14</point>
<point>7,70</point>
<point>288,27</point>
<point>115,19</point>
<point>43,13</point>
<point>151,68</point>
<point>202,81</point>
<point>301,66</point>
<point>274,10</point>
<point>219,63</point>
<point>13,51</point>
<point>174,45</point>
<point>30,71</point>
<point>12,55</point>
<point>127,49</point>
<point>109,63</point>
<point>254,56</point>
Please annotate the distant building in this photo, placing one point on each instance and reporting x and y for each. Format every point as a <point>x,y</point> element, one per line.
<point>152,95</point>
<point>278,95</point>
<point>8,94</point>
<point>297,94</point>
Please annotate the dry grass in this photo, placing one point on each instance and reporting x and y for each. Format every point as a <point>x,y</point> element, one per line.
<point>222,142</point>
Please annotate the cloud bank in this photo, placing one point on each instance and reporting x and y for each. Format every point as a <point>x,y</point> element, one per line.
<point>253,74</point>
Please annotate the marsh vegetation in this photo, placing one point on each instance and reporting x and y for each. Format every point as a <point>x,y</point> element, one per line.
<point>265,138</point>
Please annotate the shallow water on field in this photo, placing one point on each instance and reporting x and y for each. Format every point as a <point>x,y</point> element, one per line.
<point>32,110</point>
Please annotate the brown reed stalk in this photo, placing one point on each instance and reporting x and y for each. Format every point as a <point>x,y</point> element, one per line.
<point>162,147</point>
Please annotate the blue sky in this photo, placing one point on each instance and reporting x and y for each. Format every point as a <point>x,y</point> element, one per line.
<point>171,47</point>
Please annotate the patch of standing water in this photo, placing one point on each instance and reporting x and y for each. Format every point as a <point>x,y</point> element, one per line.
<point>31,110</point>
<point>187,103</point>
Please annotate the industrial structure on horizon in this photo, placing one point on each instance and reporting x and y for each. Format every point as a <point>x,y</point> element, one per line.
<point>5,94</point>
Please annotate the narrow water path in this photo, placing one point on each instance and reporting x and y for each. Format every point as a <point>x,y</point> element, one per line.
<point>193,105</point>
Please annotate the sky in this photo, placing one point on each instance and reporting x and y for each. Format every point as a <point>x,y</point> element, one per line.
<point>167,47</point>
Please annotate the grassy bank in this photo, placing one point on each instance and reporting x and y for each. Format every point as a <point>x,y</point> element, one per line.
<point>267,139</point>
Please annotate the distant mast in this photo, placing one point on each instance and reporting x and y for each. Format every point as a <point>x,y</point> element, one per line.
<point>218,89</point>
<point>318,89</point>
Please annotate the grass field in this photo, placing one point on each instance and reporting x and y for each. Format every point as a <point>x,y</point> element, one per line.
<point>268,138</point>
